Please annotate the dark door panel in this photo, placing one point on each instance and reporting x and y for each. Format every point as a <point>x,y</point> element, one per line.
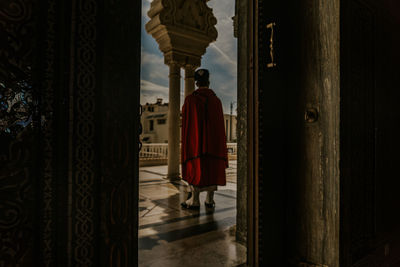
<point>69,120</point>
<point>278,90</point>
<point>369,134</point>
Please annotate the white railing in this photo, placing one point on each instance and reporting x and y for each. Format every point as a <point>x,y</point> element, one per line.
<point>160,151</point>
<point>154,151</point>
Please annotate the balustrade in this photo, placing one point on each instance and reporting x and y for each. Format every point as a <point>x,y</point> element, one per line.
<point>159,151</point>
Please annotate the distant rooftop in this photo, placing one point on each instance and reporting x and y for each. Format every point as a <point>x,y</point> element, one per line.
<point>159,102</point>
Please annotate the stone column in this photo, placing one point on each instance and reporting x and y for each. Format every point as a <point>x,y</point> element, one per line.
<point>189,79</point>
<point>173,39</point>
<point>173,121</point>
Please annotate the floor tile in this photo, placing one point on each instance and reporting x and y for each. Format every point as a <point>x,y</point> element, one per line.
<point>172,236</point>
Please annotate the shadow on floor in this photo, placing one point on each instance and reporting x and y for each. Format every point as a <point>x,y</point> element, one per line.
<point>172,236</point>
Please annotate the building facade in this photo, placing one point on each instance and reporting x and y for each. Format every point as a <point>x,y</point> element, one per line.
<point>154,121</point>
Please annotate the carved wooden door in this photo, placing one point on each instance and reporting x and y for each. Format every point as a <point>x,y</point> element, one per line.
<point>298,82</point>
<point>69,97</point>
<point>19,135</point>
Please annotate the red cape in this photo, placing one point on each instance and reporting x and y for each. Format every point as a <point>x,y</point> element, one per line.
<point>204,152</point>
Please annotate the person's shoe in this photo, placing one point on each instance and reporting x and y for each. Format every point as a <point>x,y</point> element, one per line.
<point>210,205</point>
<point>189,207</point>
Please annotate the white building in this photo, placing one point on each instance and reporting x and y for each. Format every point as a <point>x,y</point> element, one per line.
<point>155,123</point>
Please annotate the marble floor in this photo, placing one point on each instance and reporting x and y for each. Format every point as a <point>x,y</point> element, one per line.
<point>172,236</point>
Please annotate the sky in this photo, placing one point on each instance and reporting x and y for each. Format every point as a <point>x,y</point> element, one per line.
<point>219,59</point>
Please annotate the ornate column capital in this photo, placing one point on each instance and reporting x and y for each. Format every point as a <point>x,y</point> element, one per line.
<point>181,59</point>
<point>183,29</point>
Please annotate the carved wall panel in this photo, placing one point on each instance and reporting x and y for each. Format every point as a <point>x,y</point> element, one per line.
<point>18,199</point>
<point>84,153</point>
<point>102,96</point>
<point>119,124</point>
<point>69,96</point>
<point>18,134</point>
<point>18,98</point>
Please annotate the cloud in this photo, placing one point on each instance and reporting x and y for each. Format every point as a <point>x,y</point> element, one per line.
<point>153,68</point>
<point>220,59</point>
<point>149,92</point>
<point>224,55</point>
<point>147,86</point>
<point>221,56</point>
<point>224,11</point>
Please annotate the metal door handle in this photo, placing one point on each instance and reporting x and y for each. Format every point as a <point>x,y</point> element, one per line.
<point>271,45</point>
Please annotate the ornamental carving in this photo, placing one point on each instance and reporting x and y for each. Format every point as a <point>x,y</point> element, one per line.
<point>84,155</point>
<point>18,102</point>
<point>196,15</point>
<point>182,28</point>
<point>18,110</point>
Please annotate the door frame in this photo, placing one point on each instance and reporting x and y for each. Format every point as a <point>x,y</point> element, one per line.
<point>247,24</point>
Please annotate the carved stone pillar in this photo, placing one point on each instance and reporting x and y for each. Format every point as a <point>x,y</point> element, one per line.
<point>189,79</point>
<point>173,121</point>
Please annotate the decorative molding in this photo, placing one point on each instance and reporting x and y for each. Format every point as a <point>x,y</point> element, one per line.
<point>84,134</point>
<point>195,15</point>
<point>47,138</point>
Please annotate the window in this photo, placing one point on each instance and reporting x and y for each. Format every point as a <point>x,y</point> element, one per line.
<point>151,128</point>
<point>161,121</point>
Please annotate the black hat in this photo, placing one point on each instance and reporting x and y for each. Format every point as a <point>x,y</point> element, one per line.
<point>201,75</point>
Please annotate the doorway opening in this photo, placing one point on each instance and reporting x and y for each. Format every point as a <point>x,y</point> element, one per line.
<point>167,234</point>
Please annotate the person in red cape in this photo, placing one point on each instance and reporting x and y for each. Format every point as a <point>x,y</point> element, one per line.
<point>204,151</point>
